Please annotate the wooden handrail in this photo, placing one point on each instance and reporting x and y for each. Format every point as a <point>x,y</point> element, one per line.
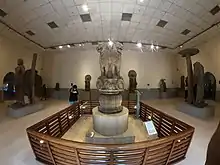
<point>175,139</point>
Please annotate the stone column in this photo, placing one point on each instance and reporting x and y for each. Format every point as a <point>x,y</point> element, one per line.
<point>187,53</point>
<point>190,79</point>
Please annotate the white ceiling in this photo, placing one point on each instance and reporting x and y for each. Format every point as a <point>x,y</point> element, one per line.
<point>24,15</point>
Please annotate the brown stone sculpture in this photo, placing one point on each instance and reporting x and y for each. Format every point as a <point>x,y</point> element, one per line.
<point>87,82</point>
<point>19,81</point>
<point>132,80</point>
<point>213,152</point>
<point>187,53</point>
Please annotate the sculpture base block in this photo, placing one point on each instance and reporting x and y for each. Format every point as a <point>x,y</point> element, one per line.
<point>110,124</point>
<point>203,113</point>
<point>96,138</point>
<point>25,110</point>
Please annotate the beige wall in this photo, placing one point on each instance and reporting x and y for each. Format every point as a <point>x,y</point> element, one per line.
<point>209,57</point>
<point>66,66</point>
<point>9,53</point>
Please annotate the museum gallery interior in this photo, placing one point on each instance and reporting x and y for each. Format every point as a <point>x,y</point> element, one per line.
<point>109,82</point>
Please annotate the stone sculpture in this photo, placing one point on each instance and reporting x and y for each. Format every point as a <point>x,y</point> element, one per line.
<point>110,83</point>
<point>87,82</point>
<point>182,82</point>
<point>163,86</point>
<point>110,64</point>
<point>28,85</point>
<point>19,81</point>
<point>198,81</point>
<point>132,80</point>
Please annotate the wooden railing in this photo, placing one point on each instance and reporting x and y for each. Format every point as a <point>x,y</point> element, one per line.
<point>49,147</point>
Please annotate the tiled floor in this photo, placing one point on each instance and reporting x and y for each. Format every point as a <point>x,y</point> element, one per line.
<point>15,149</point>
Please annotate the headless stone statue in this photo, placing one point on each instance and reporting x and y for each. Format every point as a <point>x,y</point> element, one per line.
<point>19,81</point>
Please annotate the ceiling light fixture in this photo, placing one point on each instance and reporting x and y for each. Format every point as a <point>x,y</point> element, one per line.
<point>141,1</point>
<point>157,47</point>
<point>80,45</point>
<point>68,46</point>
<point>60,47</point>
<point>139,45</point>
<point>110,43</point>
<point>85,8</point>
<point>181,46</point>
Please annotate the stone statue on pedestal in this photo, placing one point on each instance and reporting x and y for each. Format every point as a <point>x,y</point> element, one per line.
<point>87,82</point>
<point>110,83</point>
<point>19,81</point>
<point>132,80</point>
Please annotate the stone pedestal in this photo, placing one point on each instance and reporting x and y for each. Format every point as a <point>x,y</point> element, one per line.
<point>110,124</point>
<point>126,138</point>
<point>23,111</point>
<point>110,103</point>
<point>202,113</point>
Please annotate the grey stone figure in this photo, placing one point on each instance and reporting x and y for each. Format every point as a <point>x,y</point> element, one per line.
<point>163,86</point>
<point>87,82</point>
<point>132,80</point>
<point>182,82</point>
<point>110,65</point>
<point>110,83</point>
<point>19,81</point>
<point>198,81</point>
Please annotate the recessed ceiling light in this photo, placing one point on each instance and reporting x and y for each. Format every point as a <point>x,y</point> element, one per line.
<point>80,44</point>
<point>60,47</point>
<point>141,0</point>
<point>85,7</point>
<point>68,46</point>
<point>110,43</point>
<point>139,45</point>
<point>181,46</point>
<point>152,46</point>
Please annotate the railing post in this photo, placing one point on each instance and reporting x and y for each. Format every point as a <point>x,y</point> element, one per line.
<point>112,158</point>
<point>77,156</point>
<point>145,156</point>
<point>50,152</point>
<point>171,151</point>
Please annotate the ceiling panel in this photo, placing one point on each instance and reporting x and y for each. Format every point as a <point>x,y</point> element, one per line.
<point>106,20</point>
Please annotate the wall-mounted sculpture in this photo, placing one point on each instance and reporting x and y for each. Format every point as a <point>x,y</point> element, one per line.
<point>87,82</point>
<point>132,81</point>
